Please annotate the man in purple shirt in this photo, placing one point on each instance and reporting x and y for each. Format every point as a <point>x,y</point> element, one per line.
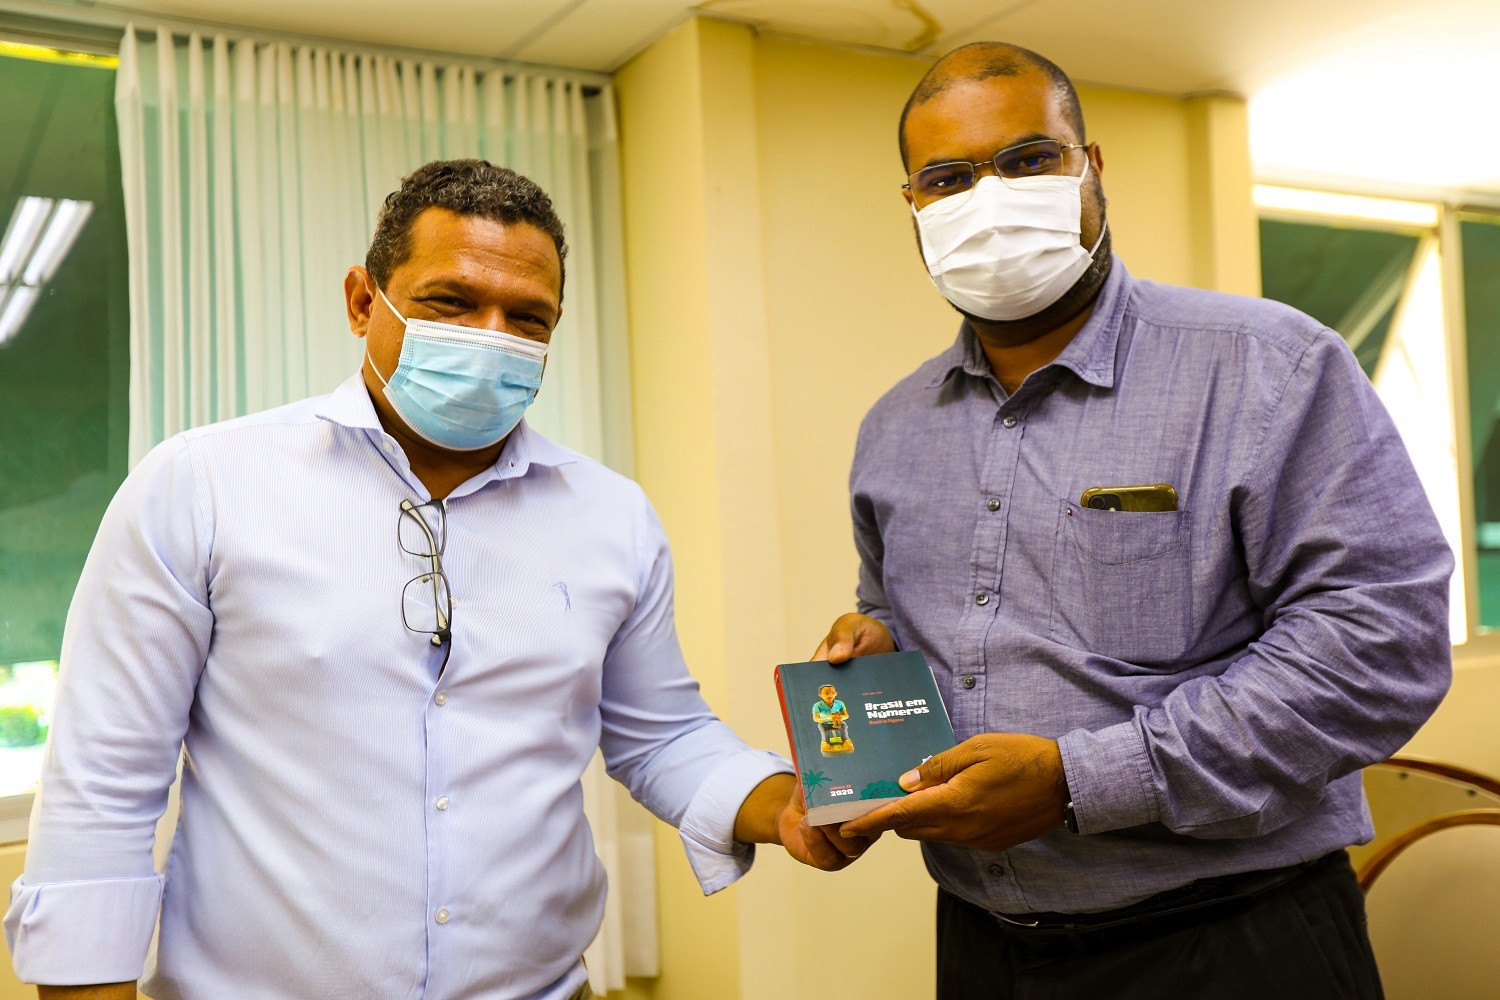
<point>1166,694</point>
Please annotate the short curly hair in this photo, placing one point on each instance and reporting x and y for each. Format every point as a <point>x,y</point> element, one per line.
<point>465,187</point>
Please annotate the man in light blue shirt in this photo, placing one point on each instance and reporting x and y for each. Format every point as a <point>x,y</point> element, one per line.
<point>389,626</point>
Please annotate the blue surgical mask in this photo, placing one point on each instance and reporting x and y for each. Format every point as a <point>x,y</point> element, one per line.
<point>459,387</point>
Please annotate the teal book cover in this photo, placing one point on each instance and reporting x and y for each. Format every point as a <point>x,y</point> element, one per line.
<point>856,728</point>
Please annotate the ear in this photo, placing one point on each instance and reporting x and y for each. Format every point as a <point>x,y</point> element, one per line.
<point>359,299</point>
<point>1096,160</point>
<point>906,193</point>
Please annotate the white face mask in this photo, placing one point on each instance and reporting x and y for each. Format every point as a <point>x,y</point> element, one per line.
<point>1010,248</point>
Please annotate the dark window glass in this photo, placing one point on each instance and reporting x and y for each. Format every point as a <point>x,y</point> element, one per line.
<point>1480,236</point>
<point>1346,278</point>
<point>63,381</point>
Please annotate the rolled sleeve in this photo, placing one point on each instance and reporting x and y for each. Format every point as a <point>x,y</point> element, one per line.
<point>136,639</point>
<point>707,828</point>
<point>1109,778</point>
<point>47,923</point>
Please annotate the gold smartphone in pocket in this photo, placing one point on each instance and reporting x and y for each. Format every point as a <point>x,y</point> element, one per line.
<point>1153,497</point>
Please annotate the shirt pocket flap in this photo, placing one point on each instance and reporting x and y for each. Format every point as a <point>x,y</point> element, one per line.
<point>1114,538</point>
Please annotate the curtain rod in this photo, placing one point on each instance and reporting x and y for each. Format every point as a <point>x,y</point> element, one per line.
<point>102,22</point>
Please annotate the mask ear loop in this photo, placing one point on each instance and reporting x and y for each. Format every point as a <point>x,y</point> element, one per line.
<point>381,292</point>
<point>1102,229</point>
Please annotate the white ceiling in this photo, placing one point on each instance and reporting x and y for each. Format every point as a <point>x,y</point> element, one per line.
<point>1341,74</point>
<point>1174,46</point>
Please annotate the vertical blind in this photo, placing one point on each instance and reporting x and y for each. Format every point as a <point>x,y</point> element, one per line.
<point>253,173</point>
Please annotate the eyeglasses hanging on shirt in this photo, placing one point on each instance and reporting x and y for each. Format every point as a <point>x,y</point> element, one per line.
<point>426,603</point>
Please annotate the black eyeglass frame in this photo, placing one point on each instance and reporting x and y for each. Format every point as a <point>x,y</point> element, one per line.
<point>922,200</point>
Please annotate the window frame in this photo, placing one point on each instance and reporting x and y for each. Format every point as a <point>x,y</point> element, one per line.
<point>15,810</point>
<point>1481,645</point>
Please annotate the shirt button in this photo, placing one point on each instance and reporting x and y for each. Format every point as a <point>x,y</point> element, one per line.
<point>995,871</point>
<point>968,681</point>
<point>389,448</point>
<point>441,697</point>
<point>1010,422</point>
<point>994,503</point>
<point>442,802</point>
<point>981,599</point>
<point>441,916</point>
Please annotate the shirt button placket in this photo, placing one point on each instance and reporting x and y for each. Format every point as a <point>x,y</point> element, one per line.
<point>438,832</point>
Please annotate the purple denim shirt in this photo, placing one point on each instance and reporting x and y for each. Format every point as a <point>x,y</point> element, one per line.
<point>1215,676</point>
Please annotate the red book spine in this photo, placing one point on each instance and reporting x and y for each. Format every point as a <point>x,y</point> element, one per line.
<point>791,741</point>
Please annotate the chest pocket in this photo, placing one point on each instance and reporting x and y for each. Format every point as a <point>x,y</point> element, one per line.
<point>1121,584</point>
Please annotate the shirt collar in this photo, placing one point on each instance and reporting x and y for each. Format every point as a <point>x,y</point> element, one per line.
<point>350,406</point>
<point>1090,354</point>
<point>527,447</point>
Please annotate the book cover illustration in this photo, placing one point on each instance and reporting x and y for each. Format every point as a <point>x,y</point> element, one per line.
<point>856,728</point>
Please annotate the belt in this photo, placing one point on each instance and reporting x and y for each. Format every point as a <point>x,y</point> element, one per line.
<point>1195,903</point>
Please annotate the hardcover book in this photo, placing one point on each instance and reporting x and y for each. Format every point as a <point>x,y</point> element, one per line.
<point>856,728</point>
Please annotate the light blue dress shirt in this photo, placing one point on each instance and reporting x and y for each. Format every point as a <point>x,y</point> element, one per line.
<point>354,825</point>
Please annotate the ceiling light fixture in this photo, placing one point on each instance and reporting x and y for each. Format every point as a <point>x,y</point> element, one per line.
<point>17,306</point>
<point>62,229</point>
<point>37,240</point>
<point>1349,206</point>
<point>26,224</point>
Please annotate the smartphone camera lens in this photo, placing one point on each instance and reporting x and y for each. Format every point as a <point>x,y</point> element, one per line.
<point>1105,501</point>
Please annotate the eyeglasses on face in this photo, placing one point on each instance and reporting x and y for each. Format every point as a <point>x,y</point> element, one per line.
<point>1038,158</point>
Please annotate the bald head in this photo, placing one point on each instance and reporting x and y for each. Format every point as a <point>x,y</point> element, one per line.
<point>983,61</point>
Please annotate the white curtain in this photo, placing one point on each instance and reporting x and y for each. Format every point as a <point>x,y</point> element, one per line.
<point>253,173</point>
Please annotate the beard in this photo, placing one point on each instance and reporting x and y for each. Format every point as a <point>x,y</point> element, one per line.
<point>1074,301</point>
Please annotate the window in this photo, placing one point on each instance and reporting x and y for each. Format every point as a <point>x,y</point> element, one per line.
<point>64,366</point>
<point>1414,288</point>
<point>1479,238</point>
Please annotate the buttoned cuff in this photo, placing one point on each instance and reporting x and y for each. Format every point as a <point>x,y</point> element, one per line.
<point>1109,778</point>
<point>82,933</point>
<point>707,828</point>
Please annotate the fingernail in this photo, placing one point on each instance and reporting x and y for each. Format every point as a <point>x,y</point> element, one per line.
<point>910,780</point>
<point>837,650</point>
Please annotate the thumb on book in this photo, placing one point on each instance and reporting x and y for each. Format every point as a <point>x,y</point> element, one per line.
<point>940,767</point>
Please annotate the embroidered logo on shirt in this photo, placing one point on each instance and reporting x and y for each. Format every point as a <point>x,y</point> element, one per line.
<point>562,588</point>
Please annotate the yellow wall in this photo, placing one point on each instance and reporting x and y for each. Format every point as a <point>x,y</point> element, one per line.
<point>775,292</point>
<point>1463,729</point>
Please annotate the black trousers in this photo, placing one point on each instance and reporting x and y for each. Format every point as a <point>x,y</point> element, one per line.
<point>1302,940</point>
